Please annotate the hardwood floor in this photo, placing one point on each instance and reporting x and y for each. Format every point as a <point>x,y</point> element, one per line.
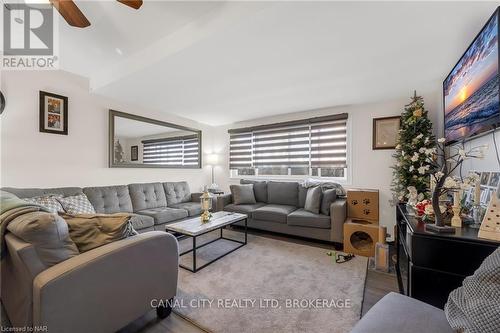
<point>377,285</point>
<point>151,324</point>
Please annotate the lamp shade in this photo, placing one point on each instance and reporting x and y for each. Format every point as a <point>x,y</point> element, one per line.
<point>212,159</point>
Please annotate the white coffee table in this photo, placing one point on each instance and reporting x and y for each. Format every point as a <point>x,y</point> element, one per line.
<point>194,228</point>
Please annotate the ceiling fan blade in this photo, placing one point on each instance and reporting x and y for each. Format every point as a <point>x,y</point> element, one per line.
<point>136,4</point>
<point>71,13</point>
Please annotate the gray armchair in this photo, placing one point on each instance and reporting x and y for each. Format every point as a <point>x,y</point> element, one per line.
<point>402,314</point>
<point>101,290</point>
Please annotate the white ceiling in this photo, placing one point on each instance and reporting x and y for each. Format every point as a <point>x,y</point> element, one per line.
<point>222,62</point>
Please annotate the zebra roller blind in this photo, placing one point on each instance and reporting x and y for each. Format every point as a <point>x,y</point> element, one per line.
<point>310,144</point>
<point>176,151</point>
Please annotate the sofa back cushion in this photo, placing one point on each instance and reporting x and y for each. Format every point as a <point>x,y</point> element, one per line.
<point>177,192</point>
<point>259,188</point>
<point>48,233</point>
<point>109,199</point>
<point>302,196</point>
<point>329,196</point>
<point>39,192</point>
<point>147,196</point>
<point>283,193</point>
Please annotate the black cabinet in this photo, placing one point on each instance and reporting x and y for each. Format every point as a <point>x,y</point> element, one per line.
<point>429,265</point>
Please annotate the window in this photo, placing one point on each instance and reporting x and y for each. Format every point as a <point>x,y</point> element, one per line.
<point>310,147</point>
<point>175,151</point>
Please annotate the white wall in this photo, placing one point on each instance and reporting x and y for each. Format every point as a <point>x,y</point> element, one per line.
<point>369,168</point>
<point>33,159</point>
<point>489,163</point>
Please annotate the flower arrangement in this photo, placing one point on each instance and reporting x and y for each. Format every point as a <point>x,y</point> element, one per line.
<point>423,208</point>
<point>441,167</point>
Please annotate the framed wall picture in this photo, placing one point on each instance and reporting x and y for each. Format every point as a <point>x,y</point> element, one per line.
<point>134,153</point>
<point>385,132</point>
<point>2,102</point>
<point>485,178</point>
<point>494,179</point>
<point>53,113</point>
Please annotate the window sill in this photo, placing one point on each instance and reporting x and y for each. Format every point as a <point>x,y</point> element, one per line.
<point>341,181</point>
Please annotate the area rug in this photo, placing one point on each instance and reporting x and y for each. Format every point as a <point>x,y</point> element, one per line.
<point>270,285</point>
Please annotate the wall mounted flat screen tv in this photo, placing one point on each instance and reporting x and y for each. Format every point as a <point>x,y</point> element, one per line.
<point>471,90</point>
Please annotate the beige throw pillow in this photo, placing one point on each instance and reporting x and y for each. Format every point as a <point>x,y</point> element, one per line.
<point>89,231</point>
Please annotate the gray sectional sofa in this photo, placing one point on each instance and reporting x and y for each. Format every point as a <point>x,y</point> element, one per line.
<point>152,204</point>
<point>75,295</point>
<point>280,208</point>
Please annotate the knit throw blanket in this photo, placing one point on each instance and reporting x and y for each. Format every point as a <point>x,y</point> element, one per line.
<point>10,208</point>
<point>310,182</point>
<point>475,306</point>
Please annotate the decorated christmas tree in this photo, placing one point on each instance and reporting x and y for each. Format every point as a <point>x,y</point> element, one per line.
<point>415,143</point>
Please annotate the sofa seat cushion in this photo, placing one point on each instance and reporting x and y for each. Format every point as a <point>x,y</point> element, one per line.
<point>164,214</point>
<point>402,314</point>
<point>193,208</point>
<point>244,209</point>
<point>273,213</point>
<point>140,222</point>
<point>304,218</point>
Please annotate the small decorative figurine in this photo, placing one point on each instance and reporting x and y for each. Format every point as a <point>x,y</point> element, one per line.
<point>490,228</point>
<point>206,205</point>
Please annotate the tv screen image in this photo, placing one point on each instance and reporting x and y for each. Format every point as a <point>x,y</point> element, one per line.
<point>471,90</point>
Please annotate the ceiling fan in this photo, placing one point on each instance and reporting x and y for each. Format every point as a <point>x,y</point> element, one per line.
<point>73,15</point>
